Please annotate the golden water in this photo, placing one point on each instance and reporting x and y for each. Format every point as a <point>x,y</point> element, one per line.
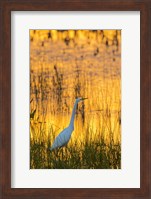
<point>69,64</point>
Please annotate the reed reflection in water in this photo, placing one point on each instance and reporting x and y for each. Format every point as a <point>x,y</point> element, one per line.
<point>65,65</point>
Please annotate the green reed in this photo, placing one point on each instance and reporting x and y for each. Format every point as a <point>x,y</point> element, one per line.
<point>95,150</point>
<point>90,152</point>
<point>93,147</point>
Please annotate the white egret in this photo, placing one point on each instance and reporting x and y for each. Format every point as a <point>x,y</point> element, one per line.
<point>63,138</point>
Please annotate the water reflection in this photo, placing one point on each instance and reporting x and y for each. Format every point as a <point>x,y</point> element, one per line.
<point>68,64</point>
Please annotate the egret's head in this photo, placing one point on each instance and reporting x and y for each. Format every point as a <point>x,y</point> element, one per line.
<point>80,99</point>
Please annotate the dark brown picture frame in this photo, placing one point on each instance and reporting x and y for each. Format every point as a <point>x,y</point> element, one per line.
<point>6,6</point>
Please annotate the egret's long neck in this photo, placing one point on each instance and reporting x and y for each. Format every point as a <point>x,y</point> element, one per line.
<point>73,114</point>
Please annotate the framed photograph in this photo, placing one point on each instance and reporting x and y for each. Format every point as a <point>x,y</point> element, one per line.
<point>75,99</point>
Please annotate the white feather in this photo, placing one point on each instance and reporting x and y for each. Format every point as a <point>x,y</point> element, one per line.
<point>63,138</point>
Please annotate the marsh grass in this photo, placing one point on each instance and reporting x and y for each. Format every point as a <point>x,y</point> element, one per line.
<point>88,152</point>
<point>54,85</point>
<point>91,155</point>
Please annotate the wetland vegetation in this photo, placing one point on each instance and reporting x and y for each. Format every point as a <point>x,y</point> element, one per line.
<point>65,65</point>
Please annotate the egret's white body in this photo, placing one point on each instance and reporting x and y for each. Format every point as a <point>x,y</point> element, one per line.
<point>63,138</point>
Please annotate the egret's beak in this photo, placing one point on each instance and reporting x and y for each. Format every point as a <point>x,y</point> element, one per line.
<point>84,98</point>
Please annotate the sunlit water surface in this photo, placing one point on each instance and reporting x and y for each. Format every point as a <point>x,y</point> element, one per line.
<point>69,64</point>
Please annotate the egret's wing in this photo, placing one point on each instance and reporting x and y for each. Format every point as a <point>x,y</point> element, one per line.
<point>61,140</point>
